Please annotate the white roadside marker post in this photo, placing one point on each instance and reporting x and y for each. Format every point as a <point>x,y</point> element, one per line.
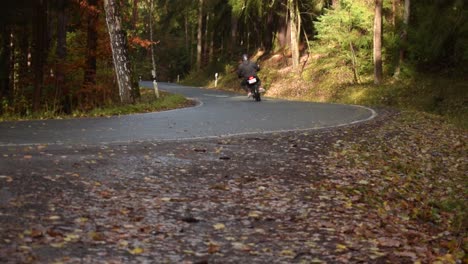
<point>156,90</point>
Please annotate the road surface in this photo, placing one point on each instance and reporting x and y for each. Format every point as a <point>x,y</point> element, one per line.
<point>217,114</point>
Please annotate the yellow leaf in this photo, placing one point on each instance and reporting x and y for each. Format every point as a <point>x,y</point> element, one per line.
<point>219,226</point>
<point>54,217</point>
<point>57,245</point>
<point>123,243</point>
<point>71,237</point>
<point>349,205</point>
<point>254,214</point>
<point>341,247</point>
<point>287,252</point>
<point>136,251</point>
<point>166,199</point>
<point>81,220</point>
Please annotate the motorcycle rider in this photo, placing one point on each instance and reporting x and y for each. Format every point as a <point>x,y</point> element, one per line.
<point>247,69</point>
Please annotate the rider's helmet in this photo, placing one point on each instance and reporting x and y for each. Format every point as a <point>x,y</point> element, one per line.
<point>245,57</point>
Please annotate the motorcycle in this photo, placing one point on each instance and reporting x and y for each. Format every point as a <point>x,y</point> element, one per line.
<point>252,84</point>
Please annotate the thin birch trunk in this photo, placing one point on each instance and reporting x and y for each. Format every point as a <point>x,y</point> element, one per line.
<point>153,60</point>
<point>119,47</point>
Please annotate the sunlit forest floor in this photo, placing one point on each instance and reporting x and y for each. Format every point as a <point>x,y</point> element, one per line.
<point>392,190</point>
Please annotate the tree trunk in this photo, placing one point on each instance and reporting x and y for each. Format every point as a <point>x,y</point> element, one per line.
<point>234,26</point>
<point>5,65</point>
<point>355,63</point>
<point>153,60</point>
<point>378,72</point>
<point>39,50</point>
<point>187,37</point>
<point>403,37</point>
<point>295,31</point>
<point>135,14</point>
<point>200,35</point>
<point>269,34</point>
<point>91,45</point>
<point>61,52</point>
<point>283,32</point>
<point>119,47</point>
<point>23,60</point>
<point>206,55</point>
<point>335,4</point>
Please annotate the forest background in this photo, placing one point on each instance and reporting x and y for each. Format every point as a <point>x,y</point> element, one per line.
<point>56,56</point>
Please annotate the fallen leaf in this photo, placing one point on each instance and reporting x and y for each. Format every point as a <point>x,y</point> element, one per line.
<point>35,233</point>
<point>240,246</point>
<point>363,182</point>
<point>96,236</point>
<point>71,237</point>
<point>213,248</point>
<point>219,226</point>
<point>287,252</point>
<point>136,251</point>
<point>57,245</point>
<point>388,242</point>
<point>254,214</point>
<point>406,254</point>
<point>7,178</point>
<point>81,220</point>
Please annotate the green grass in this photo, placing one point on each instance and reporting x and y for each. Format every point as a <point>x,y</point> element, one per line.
<point>147,103</point>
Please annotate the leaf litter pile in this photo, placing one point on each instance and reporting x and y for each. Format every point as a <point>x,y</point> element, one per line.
<point>393,190</point>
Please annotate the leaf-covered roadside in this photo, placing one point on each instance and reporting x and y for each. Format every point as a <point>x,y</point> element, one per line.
<point>389,191</point>
<point>412,172</point>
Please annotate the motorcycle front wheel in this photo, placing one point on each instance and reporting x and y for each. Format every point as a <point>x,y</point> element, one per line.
<point>257,96</point>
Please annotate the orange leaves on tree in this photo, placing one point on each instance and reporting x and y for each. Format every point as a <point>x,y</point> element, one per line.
<point>92,9</point>
<point>144,43</point>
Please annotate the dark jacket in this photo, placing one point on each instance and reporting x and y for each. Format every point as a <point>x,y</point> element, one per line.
<point>247,69</point>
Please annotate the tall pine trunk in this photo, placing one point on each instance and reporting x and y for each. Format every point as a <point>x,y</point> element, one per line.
<point>234,26</point>
<point>119,47</point>
<point>91,45</point>
<point>200,35</point>
<point>23,60</point>
<point>378,72</point>
<point>135,14</point>
<point>39,50</point>
<point>295,25</point>
<point>5,65</point>
<point>61,52</point>
<point>403,37</point>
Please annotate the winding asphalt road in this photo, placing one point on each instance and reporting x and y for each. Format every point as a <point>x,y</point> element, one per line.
<point>217,114</point>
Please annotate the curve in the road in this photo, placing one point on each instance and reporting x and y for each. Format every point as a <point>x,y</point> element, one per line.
<point>218,114</point>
